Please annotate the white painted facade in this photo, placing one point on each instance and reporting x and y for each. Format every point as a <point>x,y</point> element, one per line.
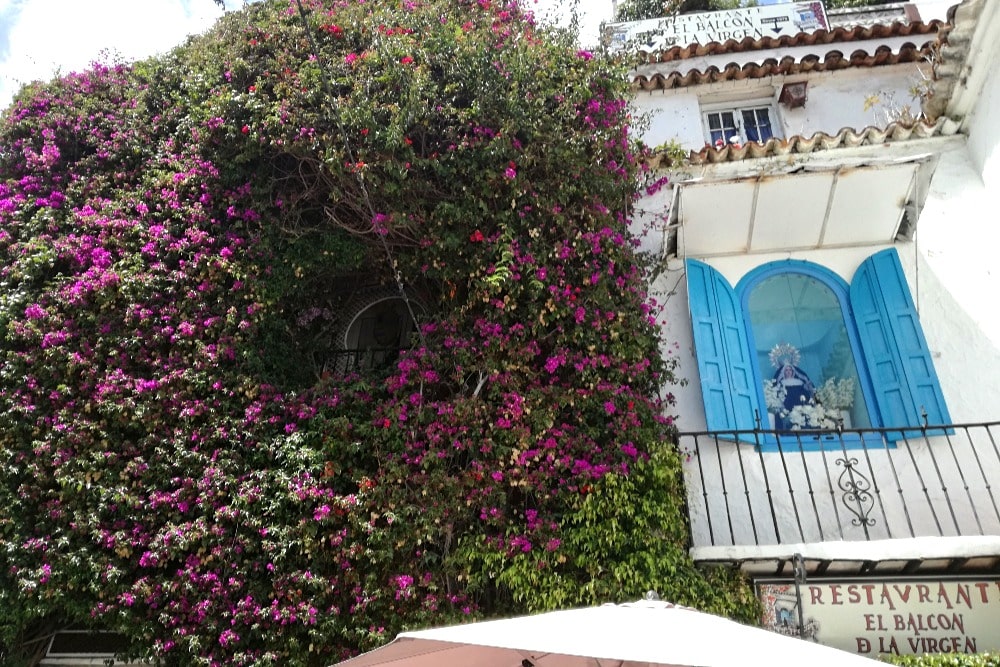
<point>835,100</point>
<point>950,265</point>
<point>927,491</point>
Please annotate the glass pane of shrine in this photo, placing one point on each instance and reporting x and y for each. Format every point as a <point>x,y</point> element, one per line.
<point>804,355</point>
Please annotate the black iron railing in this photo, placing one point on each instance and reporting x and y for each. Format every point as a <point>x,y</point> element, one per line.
<point>360,360</point>
<point>816,486</point>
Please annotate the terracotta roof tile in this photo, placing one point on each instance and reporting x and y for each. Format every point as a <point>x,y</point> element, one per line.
<point>925,37</point>
<point>831,61</point>
<point>818,37</point>
<point>845,138</point>
<point>947,44</point>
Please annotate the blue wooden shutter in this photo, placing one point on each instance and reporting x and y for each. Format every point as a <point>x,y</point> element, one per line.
<point>724,358</point>
<point>892,340</point>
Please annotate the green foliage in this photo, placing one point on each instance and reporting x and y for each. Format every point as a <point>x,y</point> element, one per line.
<point>621,539</point>
<point>668,154</point>
<point>945,660</point>
<point>182,241</point>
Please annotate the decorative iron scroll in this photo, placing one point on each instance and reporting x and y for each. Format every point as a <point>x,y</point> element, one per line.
<point>857,497</point>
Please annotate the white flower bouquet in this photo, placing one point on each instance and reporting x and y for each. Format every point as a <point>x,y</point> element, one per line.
<point>812,416</point>
<point>836,394</point>
<point>774,397</point>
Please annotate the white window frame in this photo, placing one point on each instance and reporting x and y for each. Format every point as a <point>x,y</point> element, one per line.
<point>737,110</point>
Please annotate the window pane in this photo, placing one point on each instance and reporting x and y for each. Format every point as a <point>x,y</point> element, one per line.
<point>376,336</point>
<point>757,124</point>
<point>722,126</point>
<point>804,355</point>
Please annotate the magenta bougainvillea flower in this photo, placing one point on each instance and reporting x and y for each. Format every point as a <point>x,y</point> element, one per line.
<point>190,456</point>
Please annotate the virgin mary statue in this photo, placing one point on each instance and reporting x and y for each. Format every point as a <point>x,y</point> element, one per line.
<point>793,384</point>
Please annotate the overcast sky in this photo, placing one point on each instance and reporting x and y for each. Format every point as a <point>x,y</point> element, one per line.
<point>39,38</point>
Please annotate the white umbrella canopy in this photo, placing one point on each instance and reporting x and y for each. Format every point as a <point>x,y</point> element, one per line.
<point>649,633</point>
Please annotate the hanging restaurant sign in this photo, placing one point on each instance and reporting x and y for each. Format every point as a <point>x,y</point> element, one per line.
<point>891,616</point>
<point>789,18</point>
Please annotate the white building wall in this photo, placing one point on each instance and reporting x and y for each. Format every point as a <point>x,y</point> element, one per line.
<point>984,129</point>
<point>836,100</point>
<point>954,278</point>
<point>772,498</point>
<point>934,10</point>
<point>958,283</point>
<point>672,116</point>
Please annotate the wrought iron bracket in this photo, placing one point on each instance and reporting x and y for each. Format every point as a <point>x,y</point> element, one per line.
<point>857,496</point>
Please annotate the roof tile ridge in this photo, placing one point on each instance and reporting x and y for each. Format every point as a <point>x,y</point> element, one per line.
<point>845,137</point>
<point>825,36</point>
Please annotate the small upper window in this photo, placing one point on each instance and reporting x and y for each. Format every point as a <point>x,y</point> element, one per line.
<point>739,125</point>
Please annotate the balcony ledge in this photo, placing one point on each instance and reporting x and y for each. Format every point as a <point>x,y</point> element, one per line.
<point>894,556</point>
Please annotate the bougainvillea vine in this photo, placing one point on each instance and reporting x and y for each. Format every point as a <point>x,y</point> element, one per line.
<point>185,456</point>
